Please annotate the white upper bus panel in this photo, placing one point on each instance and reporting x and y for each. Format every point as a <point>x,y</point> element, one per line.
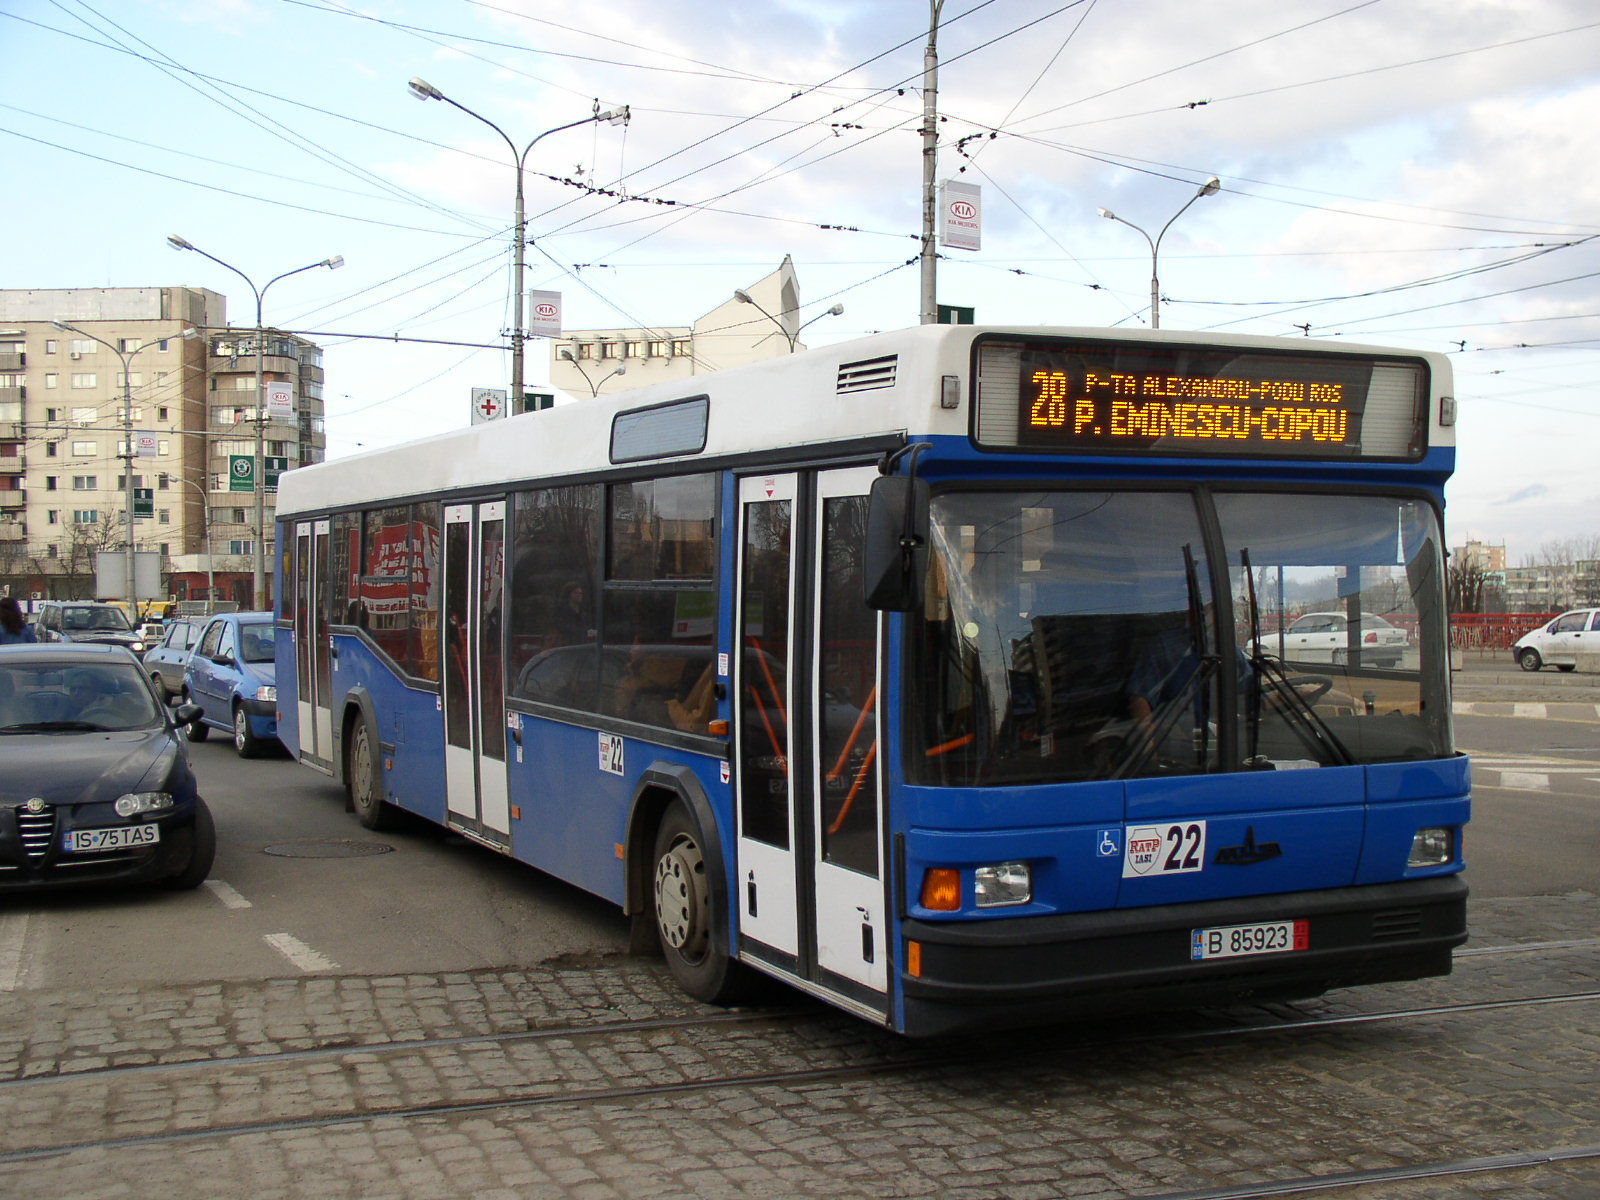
<point>885,386</point>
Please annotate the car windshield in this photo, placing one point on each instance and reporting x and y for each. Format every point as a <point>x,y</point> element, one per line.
<point>40,697</point>
<point>256,642</point>
<point>1081,635</point>
<point>107,619</point>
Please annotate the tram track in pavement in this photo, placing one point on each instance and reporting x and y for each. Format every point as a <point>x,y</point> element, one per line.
<point>603,1028</point>
<point>888,1056</point>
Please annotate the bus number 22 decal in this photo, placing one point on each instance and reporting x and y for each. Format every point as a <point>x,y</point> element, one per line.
<point>1165,849</point>
<point>611,753</point>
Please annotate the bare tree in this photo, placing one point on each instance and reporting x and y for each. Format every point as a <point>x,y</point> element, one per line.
<point>1464,585</point>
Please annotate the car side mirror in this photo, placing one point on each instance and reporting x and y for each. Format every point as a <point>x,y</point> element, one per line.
<point>896,551</point>
<point>223,660</point>
<point>187,714</point>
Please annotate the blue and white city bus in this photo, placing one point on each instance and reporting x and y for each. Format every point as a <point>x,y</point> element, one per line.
<point>942,674</point>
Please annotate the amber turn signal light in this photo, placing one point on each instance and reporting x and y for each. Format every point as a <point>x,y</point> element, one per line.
<point>941,889</point>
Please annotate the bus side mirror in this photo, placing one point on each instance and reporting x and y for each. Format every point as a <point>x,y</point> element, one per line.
<point>896,554</point>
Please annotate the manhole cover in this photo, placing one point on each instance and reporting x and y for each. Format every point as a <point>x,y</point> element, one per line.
<point>328,848</point>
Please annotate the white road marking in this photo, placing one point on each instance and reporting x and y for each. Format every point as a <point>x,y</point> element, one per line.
<point>300,954</point>
<point>229,897</point>
<point>1525,781</point>
<point>13,949</point>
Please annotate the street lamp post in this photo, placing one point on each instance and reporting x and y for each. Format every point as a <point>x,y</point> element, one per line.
<point>126,357</point>
<point>423,90</point>
<point>205,532</point>
<point>594,388</point>
<point>259,589</point>
<point>744,297</point>
<point>1209,188</point>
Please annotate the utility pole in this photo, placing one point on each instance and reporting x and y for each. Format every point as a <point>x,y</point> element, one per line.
<point>930,164</point>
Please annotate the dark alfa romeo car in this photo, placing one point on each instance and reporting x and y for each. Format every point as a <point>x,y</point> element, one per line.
<point>95,784</point>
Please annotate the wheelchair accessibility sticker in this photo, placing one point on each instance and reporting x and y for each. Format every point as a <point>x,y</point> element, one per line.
<point>1108,843</point>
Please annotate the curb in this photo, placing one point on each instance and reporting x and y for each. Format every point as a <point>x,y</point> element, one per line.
<point>1542,712</point>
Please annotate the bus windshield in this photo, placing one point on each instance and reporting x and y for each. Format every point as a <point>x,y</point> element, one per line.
<point>1075,635</point>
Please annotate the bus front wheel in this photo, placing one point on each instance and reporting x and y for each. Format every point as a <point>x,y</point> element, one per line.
<point>366,778</point>
<point>687,912</point>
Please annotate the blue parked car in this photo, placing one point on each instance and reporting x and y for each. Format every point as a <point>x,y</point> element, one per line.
<point>231,677</point>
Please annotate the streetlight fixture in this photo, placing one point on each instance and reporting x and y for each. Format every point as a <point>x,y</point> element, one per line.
<point>594,388</point>
<point>1209,188</point>
<point>126,357</point>
<point>423,90</point>
<point>259,587</point>
<point>744,297</point>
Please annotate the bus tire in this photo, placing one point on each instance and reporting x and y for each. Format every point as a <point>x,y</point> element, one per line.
<point>686,913</point>
<point>365,777</point>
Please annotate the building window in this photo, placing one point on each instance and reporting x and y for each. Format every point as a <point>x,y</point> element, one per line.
<point>52,414</point>
<point>680,346</point>
<point>53,517</point>
<point>83,379</point>
<point>655,349</point>
<point>161,413</point>
<point>241,547</point>
<point>162,481</point>
<point>278,449</point>
<point>82,346</point>
<point>164,517</point>
<point>51,346</point>
<point>85,483</point>
<point>49,483</point>
<point>50,449</point>
<point>85,416</point>
<point>85,449</point>
<point>85,516</point>
<point>51,379</point>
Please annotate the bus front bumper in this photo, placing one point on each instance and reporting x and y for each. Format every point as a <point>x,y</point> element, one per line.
<point>1040,970</point>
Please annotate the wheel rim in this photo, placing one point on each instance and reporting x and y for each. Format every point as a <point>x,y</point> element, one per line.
<point>681,898</point>
<point>241,729</point>
<point>362,781</point>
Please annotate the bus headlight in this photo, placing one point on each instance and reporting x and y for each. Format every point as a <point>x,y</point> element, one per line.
<point>1001,884</point>
<point>1433,847</point>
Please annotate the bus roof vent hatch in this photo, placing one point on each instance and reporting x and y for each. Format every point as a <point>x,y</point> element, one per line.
<point>867,374</point>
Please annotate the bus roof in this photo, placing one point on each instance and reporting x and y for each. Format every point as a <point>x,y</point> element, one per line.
<point>883,385</point>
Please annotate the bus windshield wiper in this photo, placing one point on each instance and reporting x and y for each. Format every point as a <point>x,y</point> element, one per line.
<point>1292,703</point>
<point>1205,666</point>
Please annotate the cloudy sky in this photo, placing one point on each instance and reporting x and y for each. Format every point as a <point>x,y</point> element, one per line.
<point>1417,173</point>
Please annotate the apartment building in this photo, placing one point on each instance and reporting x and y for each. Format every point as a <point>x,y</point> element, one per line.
<point>764,324</point>
<point>128,378</point>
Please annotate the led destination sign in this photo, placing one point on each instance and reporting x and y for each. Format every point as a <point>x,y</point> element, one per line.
<point>1208,400</point>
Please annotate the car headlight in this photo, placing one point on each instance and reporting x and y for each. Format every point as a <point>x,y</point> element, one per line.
<point>267,693</point>
<point>1002,884</point>
<point>136,647</point>
<point>1433,847</point>
<point>133,803</point>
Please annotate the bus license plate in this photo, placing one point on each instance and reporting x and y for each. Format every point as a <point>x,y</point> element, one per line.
<point>1237,941</point>
<point>79,841</point>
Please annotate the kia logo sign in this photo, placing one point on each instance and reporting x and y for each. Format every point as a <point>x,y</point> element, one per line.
<point>964,209</point>
<point>545,310</point>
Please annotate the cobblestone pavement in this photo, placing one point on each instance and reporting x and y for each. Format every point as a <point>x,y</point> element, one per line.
<point>596,1079</point>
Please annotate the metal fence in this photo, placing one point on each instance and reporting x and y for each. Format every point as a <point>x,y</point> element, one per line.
<point>1492,631</point>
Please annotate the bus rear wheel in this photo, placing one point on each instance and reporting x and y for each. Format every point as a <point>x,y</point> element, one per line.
<point>687,913</point>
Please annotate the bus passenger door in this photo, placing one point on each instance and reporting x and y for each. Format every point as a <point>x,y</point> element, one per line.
<point>767,877</point>
<point>313,642</point>
<point>846,764</point>
<point>474,670</point>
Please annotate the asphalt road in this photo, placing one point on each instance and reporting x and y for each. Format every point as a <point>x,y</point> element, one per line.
<point>299,886</point>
